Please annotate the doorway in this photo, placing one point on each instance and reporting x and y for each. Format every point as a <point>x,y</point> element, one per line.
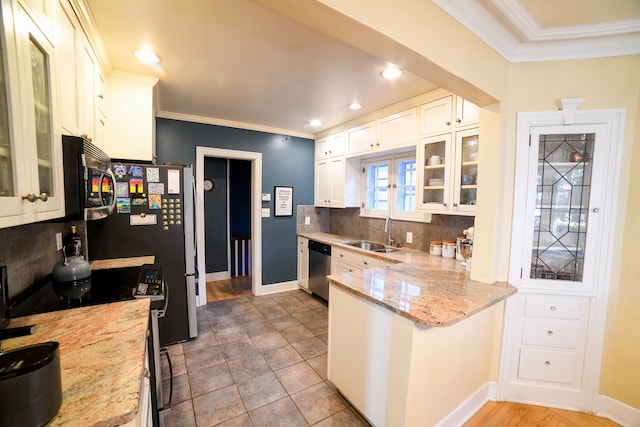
<point>254,254</point>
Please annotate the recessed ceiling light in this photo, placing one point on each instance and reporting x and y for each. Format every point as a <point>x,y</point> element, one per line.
<point>355,106</point>
<point>315,122</point>
<point>147,56</point>
<point>392,73</point>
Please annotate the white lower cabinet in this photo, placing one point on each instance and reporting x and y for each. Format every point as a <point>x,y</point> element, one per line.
<point>344,261</point>
<point>144,417</point>
<point>303,262</point>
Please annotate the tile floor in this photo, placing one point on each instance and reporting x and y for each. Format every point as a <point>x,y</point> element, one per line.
<point>257,361</point>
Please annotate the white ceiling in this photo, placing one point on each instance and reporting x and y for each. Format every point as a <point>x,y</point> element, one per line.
<point>235,62</point>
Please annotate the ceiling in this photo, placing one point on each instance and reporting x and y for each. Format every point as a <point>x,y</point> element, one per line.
<point>236,63</point>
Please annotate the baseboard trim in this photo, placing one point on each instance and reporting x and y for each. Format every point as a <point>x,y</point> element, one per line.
<point>275,288</point>
<point>617,411</point>
<point>470,406</point>
<point>218,275</point>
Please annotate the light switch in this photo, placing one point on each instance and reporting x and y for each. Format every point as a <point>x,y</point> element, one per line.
<point>266,212</point>
<point>58,241</point>
<point>409,237</point>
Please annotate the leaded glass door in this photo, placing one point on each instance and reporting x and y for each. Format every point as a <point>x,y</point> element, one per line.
<point>563,204</point>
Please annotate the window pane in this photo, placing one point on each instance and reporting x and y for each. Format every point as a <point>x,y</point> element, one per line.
<point>377,186</point>
<point>406,187</point>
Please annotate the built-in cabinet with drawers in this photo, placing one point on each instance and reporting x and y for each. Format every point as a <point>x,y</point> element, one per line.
<point>560,257</point>
<point>30,153</point>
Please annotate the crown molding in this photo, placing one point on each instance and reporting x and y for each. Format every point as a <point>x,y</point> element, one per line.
<point>578,42</point>
<point>231,124</point>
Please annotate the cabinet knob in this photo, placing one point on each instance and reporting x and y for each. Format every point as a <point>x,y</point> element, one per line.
<point>365,263</point>
<point>595,210</point>
<point>448,123</point>
<point>444,203</point>
<point>552,308</point>
<point>549,333</point>
<point>101,96</point>
<point>32,197</point>
<point>547,363</point>
<point>458,120</point>
<point>455,204</point>
<point>371,145</point>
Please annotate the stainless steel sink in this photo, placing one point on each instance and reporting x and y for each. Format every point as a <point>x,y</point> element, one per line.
<point>371,246</point>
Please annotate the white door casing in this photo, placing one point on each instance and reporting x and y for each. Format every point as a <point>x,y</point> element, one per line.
<point>256,219</point>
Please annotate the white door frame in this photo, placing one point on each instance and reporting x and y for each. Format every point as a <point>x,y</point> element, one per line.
<point>256,218</point>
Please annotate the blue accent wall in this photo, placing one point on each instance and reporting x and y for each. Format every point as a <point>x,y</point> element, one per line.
<point>286,161</point>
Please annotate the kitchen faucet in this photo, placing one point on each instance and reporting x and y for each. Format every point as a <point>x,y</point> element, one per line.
<point>387,229</point>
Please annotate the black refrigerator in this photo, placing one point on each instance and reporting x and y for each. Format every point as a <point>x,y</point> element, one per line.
<point>154,215</point>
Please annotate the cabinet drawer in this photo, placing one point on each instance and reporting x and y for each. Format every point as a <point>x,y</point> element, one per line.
<point>557,307</point>
<point>366,261</point>
<point>342,255</point>
<point>551,333</point>
<point>548,365</point>
<point>303,242</point>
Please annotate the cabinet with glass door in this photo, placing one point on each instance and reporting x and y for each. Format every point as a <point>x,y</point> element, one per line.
<point>33,191</point>
<point>449,172</point>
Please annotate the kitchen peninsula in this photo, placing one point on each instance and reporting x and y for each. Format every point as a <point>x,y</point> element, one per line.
<point>102,360</point>
<point>412,341</point>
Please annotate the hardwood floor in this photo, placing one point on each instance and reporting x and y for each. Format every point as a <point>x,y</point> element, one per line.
<point>508,414</point>
<point>227,289</point>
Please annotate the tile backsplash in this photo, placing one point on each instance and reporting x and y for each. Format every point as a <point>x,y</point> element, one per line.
<point>29,252</point>
<point>348,222</point>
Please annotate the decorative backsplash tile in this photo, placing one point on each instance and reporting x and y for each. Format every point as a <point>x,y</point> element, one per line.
<point>348,222</point>
<point>29,252</point>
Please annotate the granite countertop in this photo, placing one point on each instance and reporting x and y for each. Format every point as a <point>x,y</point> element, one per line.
<point>429,290</point>
<point>102,359</point>
<point>104,264</point>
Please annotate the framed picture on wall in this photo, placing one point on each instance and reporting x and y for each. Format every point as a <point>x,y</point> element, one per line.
<point>283,201</point>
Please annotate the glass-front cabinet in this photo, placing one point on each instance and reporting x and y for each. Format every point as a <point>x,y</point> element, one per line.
<point>30,147</point>
<point>561,231</point>
<point>448,172</point>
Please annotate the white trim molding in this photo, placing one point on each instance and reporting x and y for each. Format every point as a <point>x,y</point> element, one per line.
<point>256,218</point>
<point>231,124</point>
<point>617,411</point>
<point>530,43</point>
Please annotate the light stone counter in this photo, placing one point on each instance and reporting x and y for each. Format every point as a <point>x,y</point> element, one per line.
<point>429,290</point>
<point>104,264</point>
<point>102,359</point>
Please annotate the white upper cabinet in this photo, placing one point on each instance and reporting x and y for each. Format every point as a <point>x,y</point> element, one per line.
<point>80,79</point>
<point>30,149</point>
<point>131,120</point>
<point>361,139</point>
<point>435,116</point>
<point>331,146</point>
<point>467,113</point>
<point>399,129</point>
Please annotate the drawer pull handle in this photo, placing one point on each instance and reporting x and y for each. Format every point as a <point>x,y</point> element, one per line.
<point>552,308</point>
<point>549,332</point>
<point>547,363</point>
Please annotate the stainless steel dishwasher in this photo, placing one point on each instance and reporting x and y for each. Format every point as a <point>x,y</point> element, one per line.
<point>319,268</point>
